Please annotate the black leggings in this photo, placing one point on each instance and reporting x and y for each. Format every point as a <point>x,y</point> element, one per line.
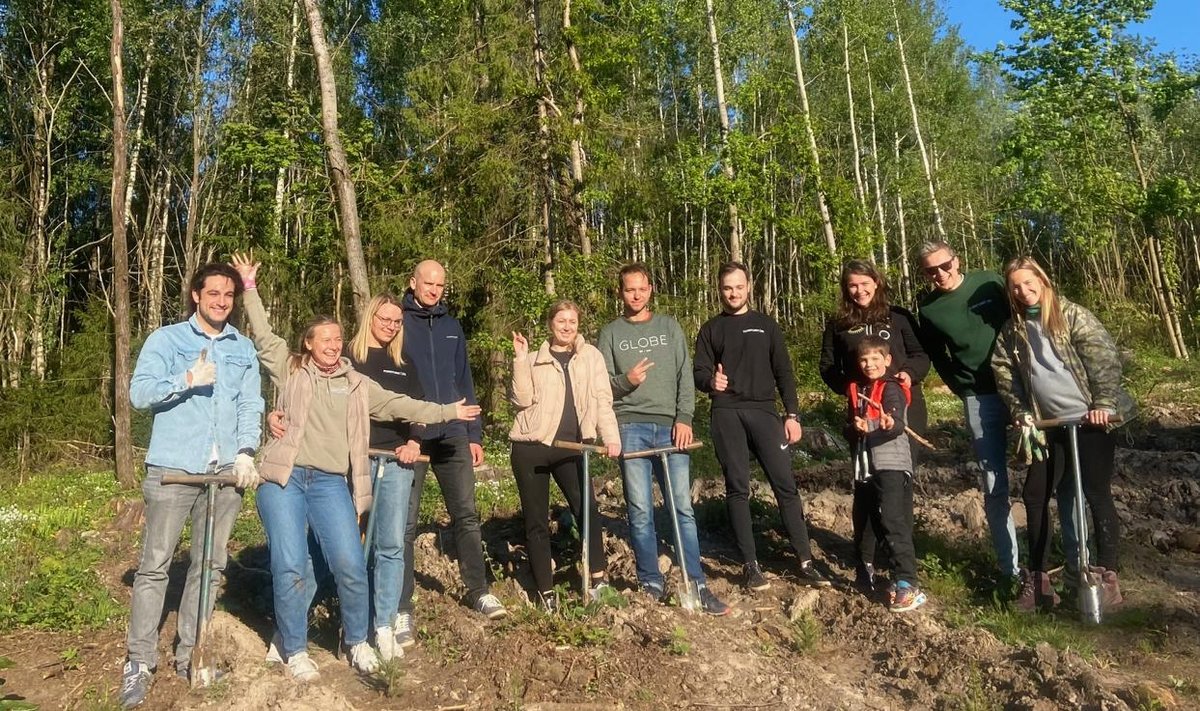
<point>1096,452</point>
<point>737,432</point>
<point>533,464</point>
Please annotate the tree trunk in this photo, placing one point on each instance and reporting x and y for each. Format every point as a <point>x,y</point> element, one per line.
<point>123,438</point>
<point>912,105</point>
<point>547,169</point>
<point>735,231</point>
<point>880,218</point>
<point>906,285</point>
<point>339,168</point>
<point>290,81</point>
<point>578,213</point>
<point>859,186</point>
<point>814,155</point>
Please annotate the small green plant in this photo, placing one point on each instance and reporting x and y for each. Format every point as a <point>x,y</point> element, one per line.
<point>679,644</point>
<point>391,674</point>
<point>805,633</point>
<point>69,658</point>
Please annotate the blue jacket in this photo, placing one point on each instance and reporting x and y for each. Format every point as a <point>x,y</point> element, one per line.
<point>436,347</point>
<point>188,421</point>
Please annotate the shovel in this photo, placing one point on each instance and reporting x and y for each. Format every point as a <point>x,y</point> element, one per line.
<point>203,670</point>
<point>381,457</point>
<point>1089,585</point>
<point>585,502</point>
<point>688,597</point>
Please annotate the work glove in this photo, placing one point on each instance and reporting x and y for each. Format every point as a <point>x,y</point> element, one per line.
<point>1031,442</point>
<point>245,471</point>
<point>203,371</point>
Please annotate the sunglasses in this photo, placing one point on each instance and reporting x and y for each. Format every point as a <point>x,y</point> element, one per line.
<point>945,266</point>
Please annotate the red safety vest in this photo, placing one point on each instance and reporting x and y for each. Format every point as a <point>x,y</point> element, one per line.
<point>870,411</point>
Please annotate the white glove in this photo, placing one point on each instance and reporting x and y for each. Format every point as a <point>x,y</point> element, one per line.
<point>245,471</point>
<point>203,371</point>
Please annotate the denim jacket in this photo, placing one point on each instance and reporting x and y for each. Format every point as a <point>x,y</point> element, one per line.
<point>188,421</point>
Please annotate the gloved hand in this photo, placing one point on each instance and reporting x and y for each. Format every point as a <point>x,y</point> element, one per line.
<point>245,471</point>
<point>1031,443</point>
<point>203,371</point>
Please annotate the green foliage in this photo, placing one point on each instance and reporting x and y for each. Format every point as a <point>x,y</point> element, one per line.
<point>679,645</point>
<point>804,633</point>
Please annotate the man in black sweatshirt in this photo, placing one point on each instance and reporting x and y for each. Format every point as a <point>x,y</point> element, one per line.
<point>741,362</point>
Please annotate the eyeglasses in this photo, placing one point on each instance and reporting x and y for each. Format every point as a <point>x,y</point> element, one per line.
<point>393,322</point>
<point>945,266</point>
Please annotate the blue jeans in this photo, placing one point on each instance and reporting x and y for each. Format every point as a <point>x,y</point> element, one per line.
<point>390,511</point>
<point>319,501</point>
<point>639,499</point>
<point>987,419</point>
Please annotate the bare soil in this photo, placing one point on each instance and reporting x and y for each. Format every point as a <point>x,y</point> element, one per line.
<point>787,648</point>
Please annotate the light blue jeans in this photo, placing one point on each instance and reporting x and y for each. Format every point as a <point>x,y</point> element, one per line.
<point>987,419</point>
<point>639,499</point>
<point>390,511</point>
<point>319,501</point>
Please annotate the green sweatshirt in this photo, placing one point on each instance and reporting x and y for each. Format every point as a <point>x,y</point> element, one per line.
<point>667,395</point>
<point>958,329</point>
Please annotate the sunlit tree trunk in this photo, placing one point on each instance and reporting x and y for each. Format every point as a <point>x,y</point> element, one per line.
<point>546,225</point>
<point>813,154</point>
<point>123,439</point>
<point>859,187</point>
<point>912,105</point>
<point>578,213</point>
<point>880,222</point>
<point>290,83</point>
<point>735,231</point>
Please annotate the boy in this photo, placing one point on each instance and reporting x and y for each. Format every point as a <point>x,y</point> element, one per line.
<point>883,470</point>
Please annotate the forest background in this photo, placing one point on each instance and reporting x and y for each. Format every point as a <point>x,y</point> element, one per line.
<point>535,145</point>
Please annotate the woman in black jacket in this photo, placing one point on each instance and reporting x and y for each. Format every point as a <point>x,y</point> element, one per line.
<point>864,311</point>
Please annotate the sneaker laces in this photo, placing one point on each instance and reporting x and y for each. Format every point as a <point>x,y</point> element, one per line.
<point>403,622</point>
<point>133,673</point>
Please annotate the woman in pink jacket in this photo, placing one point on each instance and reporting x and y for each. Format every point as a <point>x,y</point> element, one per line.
<point>561,392</point>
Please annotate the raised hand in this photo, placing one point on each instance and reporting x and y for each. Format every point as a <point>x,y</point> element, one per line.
<point>203,371</point>
<point>246,269</point>
<point>520,345</point>
<point>637,374</point>
<point>463,411</point>
<point>720,382</point>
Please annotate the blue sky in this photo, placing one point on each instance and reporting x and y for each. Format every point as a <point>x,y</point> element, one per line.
<point>1173,25</point>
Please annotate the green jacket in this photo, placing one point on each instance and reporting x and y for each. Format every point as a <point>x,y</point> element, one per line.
<point>1088,351</point>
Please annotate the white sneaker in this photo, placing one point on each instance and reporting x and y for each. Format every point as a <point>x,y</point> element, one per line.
<point>490,607</point>
<point>274,656</point>
<point>385,640</point>
<point>302,668</point>
<point>363,658</point>
<point>404,630</point>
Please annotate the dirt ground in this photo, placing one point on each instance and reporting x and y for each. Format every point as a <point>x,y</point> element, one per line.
<point>787,648</point>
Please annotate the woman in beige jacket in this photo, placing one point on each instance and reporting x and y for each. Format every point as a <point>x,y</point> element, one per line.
<point>561,392</point>
<point>327,409</point>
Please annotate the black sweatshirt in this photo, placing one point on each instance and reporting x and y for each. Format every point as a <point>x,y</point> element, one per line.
<point>397,379</point>
<point>839,359</point>
<point>751,349</point>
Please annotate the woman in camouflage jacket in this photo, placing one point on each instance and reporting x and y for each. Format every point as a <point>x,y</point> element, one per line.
<point>1055,360</point>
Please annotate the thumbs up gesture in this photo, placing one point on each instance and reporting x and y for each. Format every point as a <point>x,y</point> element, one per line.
<point>720,382</point>
<point>203,372</point>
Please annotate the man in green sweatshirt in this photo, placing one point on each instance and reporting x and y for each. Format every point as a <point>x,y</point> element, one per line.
<point>960,318</point>
<point>651,373</point>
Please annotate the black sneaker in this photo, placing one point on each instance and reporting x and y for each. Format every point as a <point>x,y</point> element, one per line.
<point>710,603</point>
<point>864,578</point>
<point>755,580</point>
<point>652,594</point>
<point>810,576</point>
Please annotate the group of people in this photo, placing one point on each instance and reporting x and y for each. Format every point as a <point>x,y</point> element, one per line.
<point>1013,350</point>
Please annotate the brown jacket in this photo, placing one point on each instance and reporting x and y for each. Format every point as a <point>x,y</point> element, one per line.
<point>298,391</point>
<point>538,391</point>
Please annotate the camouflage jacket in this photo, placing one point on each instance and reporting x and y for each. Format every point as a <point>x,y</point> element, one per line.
<point>1088,351</point>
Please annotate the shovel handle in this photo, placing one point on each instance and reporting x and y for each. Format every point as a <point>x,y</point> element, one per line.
<point>696,444</point>
<point>1063,421</point>
<point>580,446</point>
<point>200,479</point>
<point>391,454</point>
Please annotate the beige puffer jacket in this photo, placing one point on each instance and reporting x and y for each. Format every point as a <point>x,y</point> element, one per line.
<point>539,390</point>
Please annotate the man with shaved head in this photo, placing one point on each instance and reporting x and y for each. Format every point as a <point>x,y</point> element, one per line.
<point>435,346</point>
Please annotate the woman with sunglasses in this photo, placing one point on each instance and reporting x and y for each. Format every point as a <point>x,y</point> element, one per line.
<point>864,310</point>
<point>327,408</point>
<point>1055,360</point>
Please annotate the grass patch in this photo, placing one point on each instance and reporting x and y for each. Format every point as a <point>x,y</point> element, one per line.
<point>575,624</point>
<point>47,579</point>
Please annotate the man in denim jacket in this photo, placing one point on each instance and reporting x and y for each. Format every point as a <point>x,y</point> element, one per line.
<point>200,379</point>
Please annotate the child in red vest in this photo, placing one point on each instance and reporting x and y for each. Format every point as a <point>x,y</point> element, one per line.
<point>883,485</point>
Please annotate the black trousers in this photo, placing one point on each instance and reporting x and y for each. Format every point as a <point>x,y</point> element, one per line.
<point>737,433</point>
<point>865,498</point>
<point>887,509</point>
<point>450,458</point>
<point>1097,449</point>
<point>533,466</point>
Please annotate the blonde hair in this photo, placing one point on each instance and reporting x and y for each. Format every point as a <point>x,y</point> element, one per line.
<point>302,355</point>
<point>1052,316</point>
<point>362,337</point>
